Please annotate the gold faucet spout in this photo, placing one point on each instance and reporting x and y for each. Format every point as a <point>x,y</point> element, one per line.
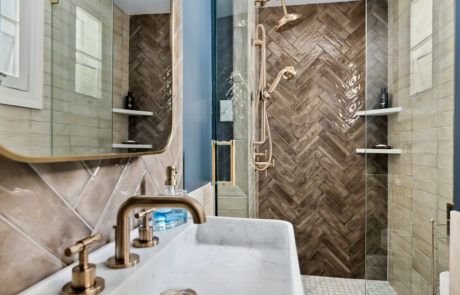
<point>123,258</point>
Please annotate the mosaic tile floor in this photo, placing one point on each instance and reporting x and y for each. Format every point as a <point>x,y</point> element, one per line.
<point>335,286</point>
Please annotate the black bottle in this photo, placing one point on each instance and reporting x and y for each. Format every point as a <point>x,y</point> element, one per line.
<point>129,101</point>
<point>383,99</point>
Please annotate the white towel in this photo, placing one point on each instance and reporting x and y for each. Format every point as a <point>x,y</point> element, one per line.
<point>444,283</point>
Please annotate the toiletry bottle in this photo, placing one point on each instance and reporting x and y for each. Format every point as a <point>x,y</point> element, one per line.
<point>383,99</point>
<point>129,101</point>
<point>167,218</point>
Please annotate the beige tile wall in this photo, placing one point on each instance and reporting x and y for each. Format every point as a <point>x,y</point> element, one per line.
<point>82,124</point>
<point>420,180</point>
<point>46,207</point>
<point>120,72</point>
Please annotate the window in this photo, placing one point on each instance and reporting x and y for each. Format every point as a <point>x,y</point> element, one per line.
<point>21,45</point>
<point>421,46</point>
<point>88,54</point>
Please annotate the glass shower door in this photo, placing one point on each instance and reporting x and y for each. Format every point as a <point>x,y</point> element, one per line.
<point>409,183</point>
<point>232,175</point>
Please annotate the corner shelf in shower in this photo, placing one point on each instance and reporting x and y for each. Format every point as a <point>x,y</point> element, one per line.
<point>131,146</point>
<point>380,112</point>
<point>132,112</point>
<point>379,151</point>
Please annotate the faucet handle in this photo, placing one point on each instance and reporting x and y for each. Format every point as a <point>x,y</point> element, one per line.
<point>84,280</point>
<point>146,238</point>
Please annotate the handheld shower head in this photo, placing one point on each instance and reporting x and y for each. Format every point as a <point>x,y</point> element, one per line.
<point>288,21</point>
<point>287,74</point>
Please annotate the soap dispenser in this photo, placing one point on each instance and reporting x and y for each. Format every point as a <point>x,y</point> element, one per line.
<point>167,218</point>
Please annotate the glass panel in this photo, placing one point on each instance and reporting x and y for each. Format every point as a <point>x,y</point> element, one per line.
<point>9,8</point>
<point>234,22</point>
<point>410,51</point>
<point>8,47</point>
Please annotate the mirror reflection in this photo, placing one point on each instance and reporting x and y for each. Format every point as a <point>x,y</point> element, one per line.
<point>98,81</point>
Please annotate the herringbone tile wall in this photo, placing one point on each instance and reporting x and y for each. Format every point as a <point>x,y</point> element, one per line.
<point>318,181</point>
<point>150,78</point>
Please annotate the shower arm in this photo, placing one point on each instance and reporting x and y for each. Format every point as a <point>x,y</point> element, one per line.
<point>284,6</point>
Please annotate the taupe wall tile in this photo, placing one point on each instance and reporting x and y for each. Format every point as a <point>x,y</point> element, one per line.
<point>57,176</point>
<point>99,189</point>
<point>33,207</point>
<point>23,262</point>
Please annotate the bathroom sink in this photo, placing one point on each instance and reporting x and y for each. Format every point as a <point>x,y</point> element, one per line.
<point>222,256</point>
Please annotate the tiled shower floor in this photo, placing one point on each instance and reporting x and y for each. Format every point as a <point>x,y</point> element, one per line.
<point>335,286</point>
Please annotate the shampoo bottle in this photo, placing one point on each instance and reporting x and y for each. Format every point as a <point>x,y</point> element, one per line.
<point>383,99</point>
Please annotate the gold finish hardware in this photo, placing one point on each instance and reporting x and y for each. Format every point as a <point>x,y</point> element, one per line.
<point>262,155</point>
<point>288,21</point>
<point>54,1</point>
<point>171,175</point>
<point>7,154</point>
<point>84,280</point>
<point>230,143</point>
<point>146,238</point>
<point>123,258</point>
<point>261,2</point>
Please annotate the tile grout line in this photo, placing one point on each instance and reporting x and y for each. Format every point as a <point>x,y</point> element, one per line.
<point>149,175</point>
<point>93,175</point>
<point>62,199</point>
<point>112,194</point>
<point>29,238</point>
<point>87,168</point>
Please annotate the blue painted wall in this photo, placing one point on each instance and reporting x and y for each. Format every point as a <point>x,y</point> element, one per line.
<point>197,103</point>
<point>457,111</point>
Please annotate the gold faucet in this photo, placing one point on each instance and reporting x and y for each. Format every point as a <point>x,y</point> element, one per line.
<point>146,238</point>
<point>123,258</point>
<point>84,280</point>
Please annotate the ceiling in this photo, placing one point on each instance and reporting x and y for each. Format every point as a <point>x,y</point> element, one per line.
<point>144,6</point>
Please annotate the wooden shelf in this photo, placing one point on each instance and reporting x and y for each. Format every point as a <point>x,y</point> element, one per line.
<point>132,112</point>
<point>131,146</point>
<point>380,112</point>
<point>379,151</point>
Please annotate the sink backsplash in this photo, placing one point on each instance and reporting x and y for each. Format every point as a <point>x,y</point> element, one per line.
<point>46,207</point>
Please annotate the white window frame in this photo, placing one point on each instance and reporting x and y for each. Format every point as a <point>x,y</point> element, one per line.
<point>26,90</point>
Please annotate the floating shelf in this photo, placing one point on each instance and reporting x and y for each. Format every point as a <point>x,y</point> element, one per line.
<point>132,112</point>
<point>131,146</point>
<point>380,112</point>
<point>379,151</point>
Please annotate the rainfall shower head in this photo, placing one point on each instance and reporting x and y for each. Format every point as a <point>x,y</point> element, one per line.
<point>288,21</point>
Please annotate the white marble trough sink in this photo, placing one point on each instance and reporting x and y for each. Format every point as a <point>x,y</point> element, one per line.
<point>222,256</point>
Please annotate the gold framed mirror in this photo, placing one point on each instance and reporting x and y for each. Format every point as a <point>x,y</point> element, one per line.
<point>64,96</point>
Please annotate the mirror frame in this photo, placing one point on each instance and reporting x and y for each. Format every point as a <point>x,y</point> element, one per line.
<point>7,154</point>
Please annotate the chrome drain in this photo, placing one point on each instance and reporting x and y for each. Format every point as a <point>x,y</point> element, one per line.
<point>179,291</point>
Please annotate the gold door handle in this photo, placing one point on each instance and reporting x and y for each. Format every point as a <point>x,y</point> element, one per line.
<point>230,143</point>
